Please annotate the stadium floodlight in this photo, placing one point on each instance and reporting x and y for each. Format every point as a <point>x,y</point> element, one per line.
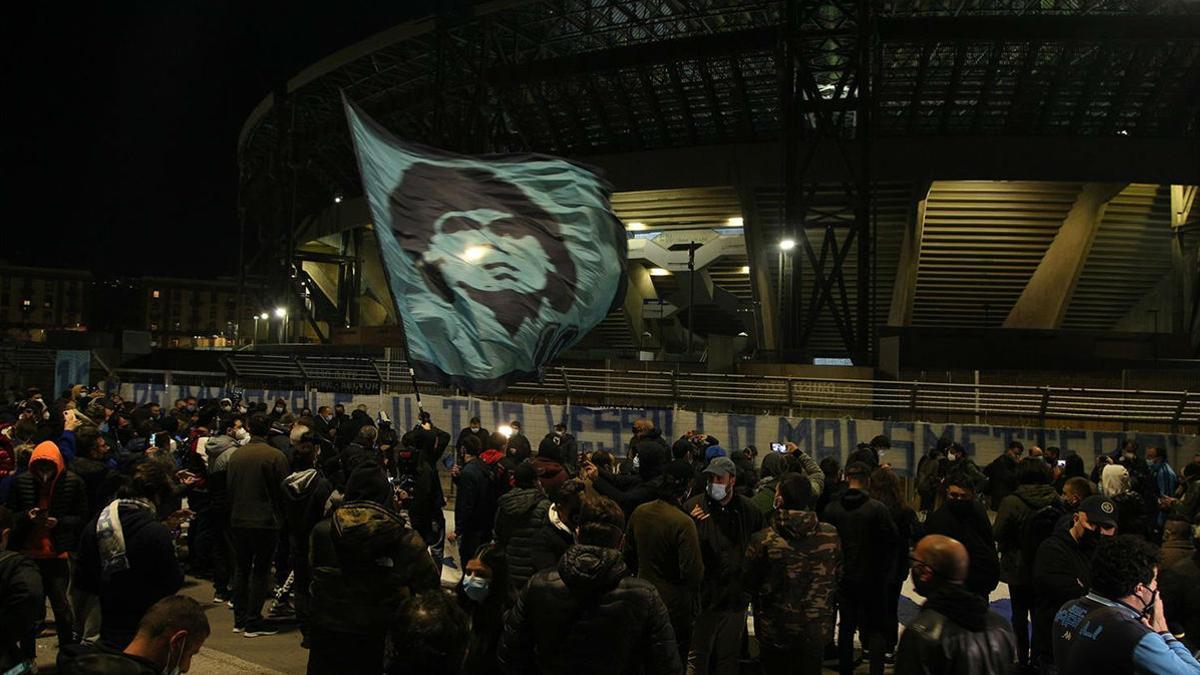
<point>264,316</point>
<point>280,312</point>
<point>736,221</point>
<point>337,199</point>
<point>787,244</point>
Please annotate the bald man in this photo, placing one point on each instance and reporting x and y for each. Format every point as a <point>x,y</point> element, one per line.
<point>955,632</point>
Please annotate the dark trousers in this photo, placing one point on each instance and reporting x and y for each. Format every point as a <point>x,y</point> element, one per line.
<point>802,658</point>
<point>56,577</point>
<point>861,609</point>
<point>253,548</point>
<point>336,653</point>
<point>891,623</point>
<point>437,541</point>
<point>1022,608</point>
<point>222,552</point>
<point>716,643</point>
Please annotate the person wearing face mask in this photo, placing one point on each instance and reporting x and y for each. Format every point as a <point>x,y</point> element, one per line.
<point>485,594</point>
<point>869,541</point>
<point>872,454</point>
<point>791,573</point>
<point>963,518</point>
<point>126,555</point>
<point>473,428</point>
<point>50,504</point>
<point>662,546</point>
<point>323,422</point>
<point>725,521</point>
<point>954,633</point>
<point>1002,474</point>
<point>172,632</point>
<point>1062,570</point>
<point>1119,627</point>
<point>219,450</point>
<point>590,600</point>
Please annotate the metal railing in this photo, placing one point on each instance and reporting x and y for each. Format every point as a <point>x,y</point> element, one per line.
<point>664,388</point>
<point>879,398</point>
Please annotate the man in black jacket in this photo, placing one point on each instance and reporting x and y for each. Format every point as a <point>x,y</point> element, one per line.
<point>255,479</point>
<point>474,428</point>
<point>869,539</point>
<point>49,504</point>
<point>305,492</point>
<point>1062,569</point>
<point>1002,474</point>
<point>520,515</point>
<point>725,522</point>
<point>964,519</point>
<point>590,602</point>
<point>955,633</point>
<point>474,505</point>
<point>22,601</point>
<point>127,557</point>
<point>647,444</point>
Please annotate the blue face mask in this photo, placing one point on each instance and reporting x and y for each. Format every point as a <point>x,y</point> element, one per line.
<point>476,588</point>
<point>717,492</point>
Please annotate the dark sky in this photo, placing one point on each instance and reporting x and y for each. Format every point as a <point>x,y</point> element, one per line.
<point>121,122</point>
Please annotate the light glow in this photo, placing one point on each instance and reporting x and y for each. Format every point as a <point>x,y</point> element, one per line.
<point>745,269</point>
<point>504,430</point>
<point>658,272</point>
<point>280,312</point>
<point>736,221</point>
<point>635,227</point>
<point>787,244</point>
<point>475,253</point>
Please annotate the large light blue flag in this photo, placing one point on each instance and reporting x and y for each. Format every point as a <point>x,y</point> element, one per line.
<point>496,263</point>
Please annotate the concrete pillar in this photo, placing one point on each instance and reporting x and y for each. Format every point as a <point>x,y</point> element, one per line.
<point>758,252</point>
<point>639,287</point>
<point>1044,301</point>
<point>904,292</point>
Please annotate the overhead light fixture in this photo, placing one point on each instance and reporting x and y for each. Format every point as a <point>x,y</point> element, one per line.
<point>787,244</point>
<point>658,272</point>
<point>743,334</point>
<point>635,227</point>
<point>264,316</point>
<point>736,221</point>
<point>280,312</point>
<point>475,253</point>
<point>1123,132</point>
<point>337,199</point>
<point>745,269</point>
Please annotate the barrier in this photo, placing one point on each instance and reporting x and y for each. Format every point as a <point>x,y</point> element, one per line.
<point>608,428</point>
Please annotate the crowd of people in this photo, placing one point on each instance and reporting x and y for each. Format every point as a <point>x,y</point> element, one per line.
<point>573,562</point>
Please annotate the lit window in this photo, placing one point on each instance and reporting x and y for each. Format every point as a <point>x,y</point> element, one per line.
<point>27,303</point>
<point>155,294</point>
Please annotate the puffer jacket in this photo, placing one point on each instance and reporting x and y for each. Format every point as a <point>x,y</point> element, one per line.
<point>1015,509</point>
<point>956,634</point>
<point>519,518</point>
<point>67,503</point>
<point>590,599</point>
<point>792,571</point>
<point>365,561</point>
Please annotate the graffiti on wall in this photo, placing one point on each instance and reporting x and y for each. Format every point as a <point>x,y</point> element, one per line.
<point>610,428</point>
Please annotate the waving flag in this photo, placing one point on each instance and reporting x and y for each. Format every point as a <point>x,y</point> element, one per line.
<point>496,263</point>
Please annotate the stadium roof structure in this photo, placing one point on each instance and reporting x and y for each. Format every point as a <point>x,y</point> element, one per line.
<point>865,131</point>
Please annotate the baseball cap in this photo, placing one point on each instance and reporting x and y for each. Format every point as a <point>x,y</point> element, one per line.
<point>1099,510</point>
<point>721,466</point>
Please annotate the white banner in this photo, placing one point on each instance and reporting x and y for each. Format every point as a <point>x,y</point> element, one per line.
<point>610,428</point>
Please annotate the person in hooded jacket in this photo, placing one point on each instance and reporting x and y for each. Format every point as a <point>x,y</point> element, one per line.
<point>473,428</point>
<point>365,562</point>
<point>725,522</point>
<point>1033,493</point>
<point>418,492</point>
<point>663,547</point>
<point>792,571</point>
<point>219,450</point>
<point>520,515</point>
<point>49,504</point>
<point>568,453</point>
<point>127,556</point>
<point>869,540</point>
<point>648,443</point>
<point>886,488</point>
<point>551,471</point>
<point>774,465</point>
<point>98,470</point>
<point>518,444</point>
<point>963,518</point>
<point>305,493</point>
<point>955,633</point>
<point>590,601</point>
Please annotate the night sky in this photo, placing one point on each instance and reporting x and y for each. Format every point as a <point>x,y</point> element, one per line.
<point>121,123</point>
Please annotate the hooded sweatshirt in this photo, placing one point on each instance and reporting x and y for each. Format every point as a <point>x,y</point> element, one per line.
<point>868,536</point>
<point>63,497</point>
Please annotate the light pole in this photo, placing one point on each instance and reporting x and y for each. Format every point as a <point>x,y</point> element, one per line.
<point>281,312</point>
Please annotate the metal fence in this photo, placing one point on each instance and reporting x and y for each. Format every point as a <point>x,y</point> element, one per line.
<point>710,391</point>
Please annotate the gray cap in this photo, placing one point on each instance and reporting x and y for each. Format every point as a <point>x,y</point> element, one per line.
<point>721,466</point>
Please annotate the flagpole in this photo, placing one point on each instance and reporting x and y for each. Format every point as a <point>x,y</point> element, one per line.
<point>416,390</point>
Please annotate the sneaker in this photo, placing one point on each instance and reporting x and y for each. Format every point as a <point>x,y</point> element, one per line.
<point>889,658</point>
<point>259,630</point>
<point>239,629</point>
<point>219,598</point>
<point>449,562</point>
<point>281,610</point>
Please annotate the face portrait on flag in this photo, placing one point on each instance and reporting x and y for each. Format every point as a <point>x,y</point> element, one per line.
<point>488,241</point>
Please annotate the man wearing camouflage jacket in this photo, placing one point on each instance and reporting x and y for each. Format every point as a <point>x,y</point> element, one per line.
<point>791,573</point>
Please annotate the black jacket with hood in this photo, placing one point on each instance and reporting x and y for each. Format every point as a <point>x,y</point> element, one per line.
<point>724,536</point>
<point>956,634</point>
<point>868,535</point>
<point>68,503</point>
<point>589,600</point>
<point>305,494</point>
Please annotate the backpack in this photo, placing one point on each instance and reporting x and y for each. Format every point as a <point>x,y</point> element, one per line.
<point>1036,528</point>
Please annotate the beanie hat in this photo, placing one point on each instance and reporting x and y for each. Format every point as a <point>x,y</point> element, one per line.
<point>713,452</point>
<point>525,475</point>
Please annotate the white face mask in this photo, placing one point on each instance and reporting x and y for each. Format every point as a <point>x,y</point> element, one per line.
<point>717,491</point>
<point>241,436</point>
<point>177,668</point>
